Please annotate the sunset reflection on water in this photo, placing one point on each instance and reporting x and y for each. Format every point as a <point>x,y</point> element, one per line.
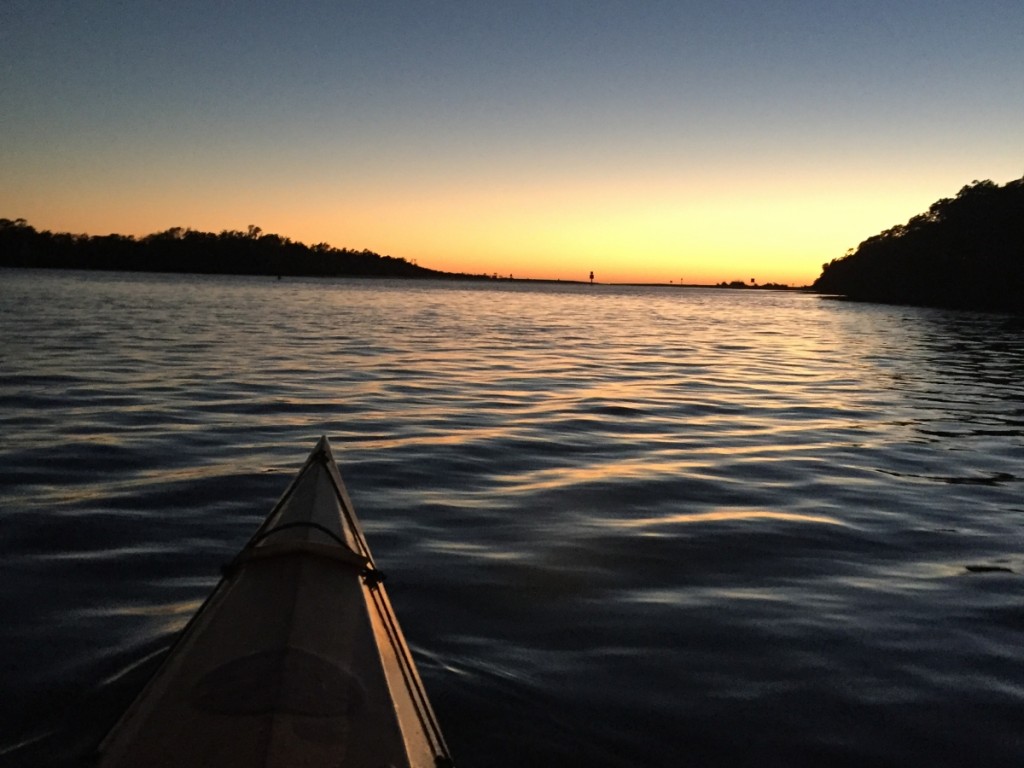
<point>639,519</point>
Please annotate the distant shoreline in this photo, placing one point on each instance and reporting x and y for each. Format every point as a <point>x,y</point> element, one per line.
<point>446,277</point>
<point>186,251</point>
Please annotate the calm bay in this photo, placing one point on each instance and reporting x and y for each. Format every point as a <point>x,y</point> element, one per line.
<point>622,525</point>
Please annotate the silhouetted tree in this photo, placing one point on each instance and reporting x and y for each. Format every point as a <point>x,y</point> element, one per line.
<point>963,252</point>
<point>187,250</point>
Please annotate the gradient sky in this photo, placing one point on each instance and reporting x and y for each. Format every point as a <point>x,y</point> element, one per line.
<point>648,141</point>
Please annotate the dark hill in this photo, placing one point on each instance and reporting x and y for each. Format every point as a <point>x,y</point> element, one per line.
<point>965,252</point>
<point>187,250</point>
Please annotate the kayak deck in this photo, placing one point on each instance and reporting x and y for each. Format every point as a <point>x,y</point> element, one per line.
<point>295,659</point>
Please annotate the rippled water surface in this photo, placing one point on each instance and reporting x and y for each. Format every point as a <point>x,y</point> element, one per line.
<point>622,526</point>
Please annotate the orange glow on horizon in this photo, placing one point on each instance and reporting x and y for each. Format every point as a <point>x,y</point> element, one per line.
<point>639,228</point>
<point>646,146</point>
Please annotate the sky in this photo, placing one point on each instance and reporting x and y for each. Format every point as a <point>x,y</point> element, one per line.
<point>693,140</point>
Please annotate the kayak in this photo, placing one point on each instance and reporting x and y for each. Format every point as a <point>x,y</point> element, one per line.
<point>295,659</point>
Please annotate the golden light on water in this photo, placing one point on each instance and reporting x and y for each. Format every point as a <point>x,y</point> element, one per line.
<point>724,515</point>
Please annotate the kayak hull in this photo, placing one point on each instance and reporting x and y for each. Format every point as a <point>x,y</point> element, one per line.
<point>295,659</point>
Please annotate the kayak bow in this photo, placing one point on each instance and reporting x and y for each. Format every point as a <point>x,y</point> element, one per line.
<point>295,659</point>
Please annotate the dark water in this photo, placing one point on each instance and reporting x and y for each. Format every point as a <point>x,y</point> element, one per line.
<point>622,526</point>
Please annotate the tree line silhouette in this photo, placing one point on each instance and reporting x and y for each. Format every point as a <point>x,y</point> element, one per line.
<point>965,252</point>
<point>187,250</point>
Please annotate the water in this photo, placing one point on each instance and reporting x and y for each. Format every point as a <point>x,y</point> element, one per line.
<point>622,526</point>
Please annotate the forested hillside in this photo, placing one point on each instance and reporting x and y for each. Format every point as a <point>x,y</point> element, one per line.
<point>963,252</point>
<point>188,250</point>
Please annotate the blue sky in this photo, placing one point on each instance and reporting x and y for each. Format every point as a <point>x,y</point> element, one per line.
<point>653,141</point>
